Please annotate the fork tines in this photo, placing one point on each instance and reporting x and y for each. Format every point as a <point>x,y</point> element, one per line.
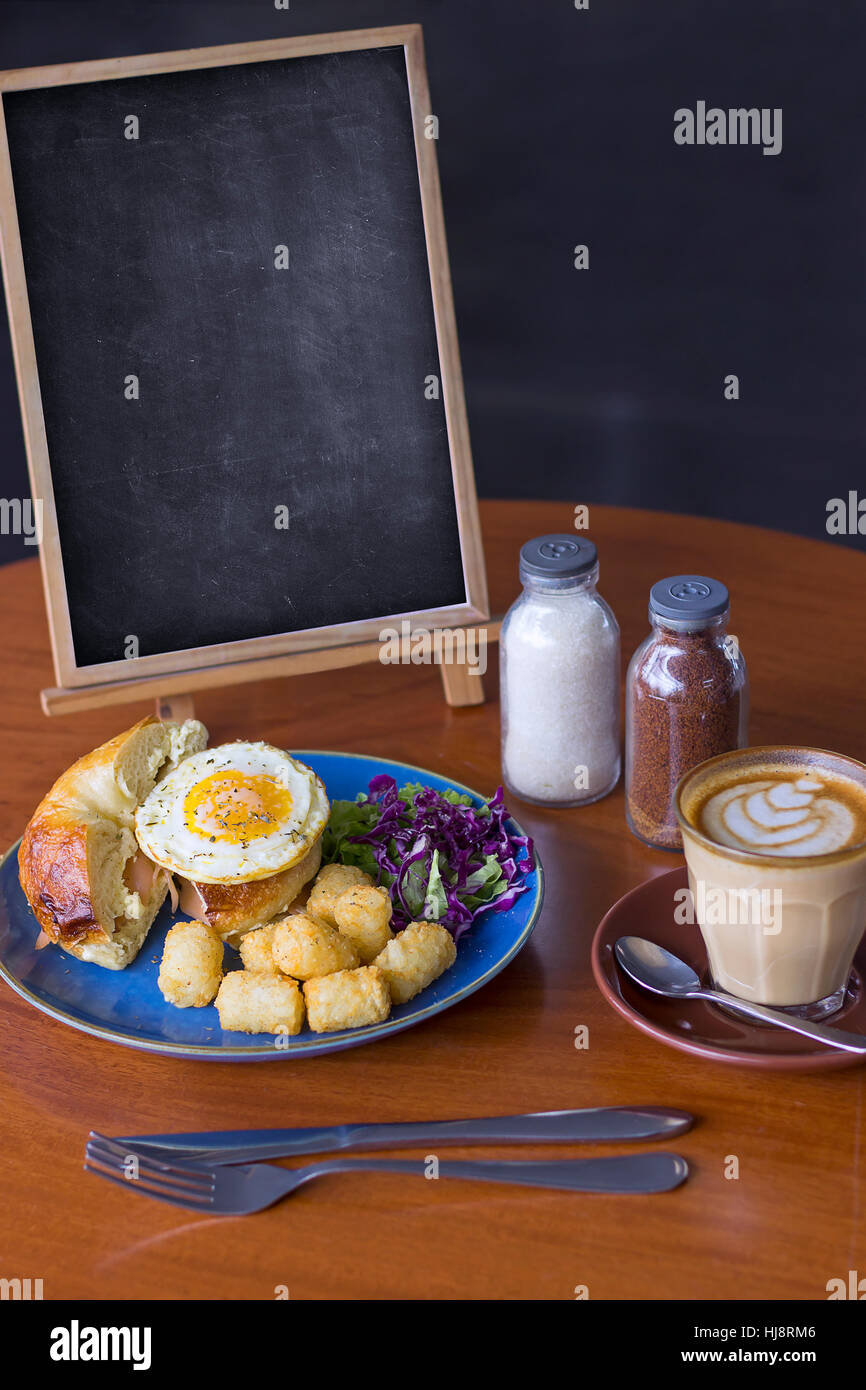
<point>178,1183</point>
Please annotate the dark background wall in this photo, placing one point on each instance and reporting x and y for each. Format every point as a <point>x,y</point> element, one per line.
<point>556,128</point>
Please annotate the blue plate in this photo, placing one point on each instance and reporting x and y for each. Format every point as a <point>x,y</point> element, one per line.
<point>125,1006</point>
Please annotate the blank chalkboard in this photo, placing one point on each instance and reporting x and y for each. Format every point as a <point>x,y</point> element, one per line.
<point>252,434</point>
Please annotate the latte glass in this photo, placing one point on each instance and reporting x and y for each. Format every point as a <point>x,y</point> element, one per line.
<point>780,928</point>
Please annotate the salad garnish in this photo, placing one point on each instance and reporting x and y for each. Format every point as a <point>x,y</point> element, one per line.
<point>441,858</point>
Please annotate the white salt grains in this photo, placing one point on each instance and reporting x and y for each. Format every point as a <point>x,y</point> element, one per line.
<point>560,694</point>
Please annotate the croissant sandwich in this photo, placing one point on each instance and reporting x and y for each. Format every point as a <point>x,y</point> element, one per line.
<point>91,889</point>
<point>95,891</point>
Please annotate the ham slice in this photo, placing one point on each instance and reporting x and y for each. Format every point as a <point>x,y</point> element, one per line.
<point>141,876</point>
<point>191,901</point>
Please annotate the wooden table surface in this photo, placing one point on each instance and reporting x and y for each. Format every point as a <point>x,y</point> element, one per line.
<point>795,1217</point>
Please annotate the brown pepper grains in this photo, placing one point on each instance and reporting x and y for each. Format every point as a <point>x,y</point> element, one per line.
<point>685,702</point>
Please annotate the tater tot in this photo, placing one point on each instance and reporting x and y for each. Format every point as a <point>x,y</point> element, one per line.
<point>191,966</point>
<point>256,948</point>
<point>348,999</point>
<point>363,914</point>
<point>330,882</point>
<point>251,1001</point>
<point>305,946</point>
<point>416,957</point>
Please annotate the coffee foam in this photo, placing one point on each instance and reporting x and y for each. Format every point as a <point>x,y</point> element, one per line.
<point>788,818</point>
<point>786,811</point>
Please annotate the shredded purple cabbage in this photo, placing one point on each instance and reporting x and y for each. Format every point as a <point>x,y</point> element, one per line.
<point>427,847</point>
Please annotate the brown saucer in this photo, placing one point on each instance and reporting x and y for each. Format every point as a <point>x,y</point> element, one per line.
<point>695,1026</point>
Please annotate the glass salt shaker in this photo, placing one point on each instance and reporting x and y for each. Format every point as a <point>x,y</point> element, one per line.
<point>686,699</point>
<point>559,678</point>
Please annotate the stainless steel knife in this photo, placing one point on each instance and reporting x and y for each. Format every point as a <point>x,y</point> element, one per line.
<point>601,1125</point>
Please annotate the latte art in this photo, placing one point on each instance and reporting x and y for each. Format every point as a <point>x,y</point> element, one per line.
<point>780,817</point>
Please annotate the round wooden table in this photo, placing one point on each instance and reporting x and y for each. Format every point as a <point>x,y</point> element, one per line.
<point>793,1219</point>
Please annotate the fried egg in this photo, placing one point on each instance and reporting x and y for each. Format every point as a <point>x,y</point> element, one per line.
<point>232,814</point>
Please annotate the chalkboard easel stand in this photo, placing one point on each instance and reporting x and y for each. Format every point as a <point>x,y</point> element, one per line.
<point>331,146</point>
<point>175,708</point>
<point>173,694</point>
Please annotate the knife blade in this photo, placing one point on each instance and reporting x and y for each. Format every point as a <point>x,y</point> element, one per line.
<point>599,1124</point>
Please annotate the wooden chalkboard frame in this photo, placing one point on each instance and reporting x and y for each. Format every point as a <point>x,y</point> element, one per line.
<point>196,668</point>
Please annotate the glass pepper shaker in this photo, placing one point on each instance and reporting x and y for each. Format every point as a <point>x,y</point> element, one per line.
<point>559,678</point>
<point>686,700</point>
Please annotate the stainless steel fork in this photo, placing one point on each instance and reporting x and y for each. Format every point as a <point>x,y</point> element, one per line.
<point>236,1191</point>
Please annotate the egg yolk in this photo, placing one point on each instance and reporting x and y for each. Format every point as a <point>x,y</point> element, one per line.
<point>233,807</point>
